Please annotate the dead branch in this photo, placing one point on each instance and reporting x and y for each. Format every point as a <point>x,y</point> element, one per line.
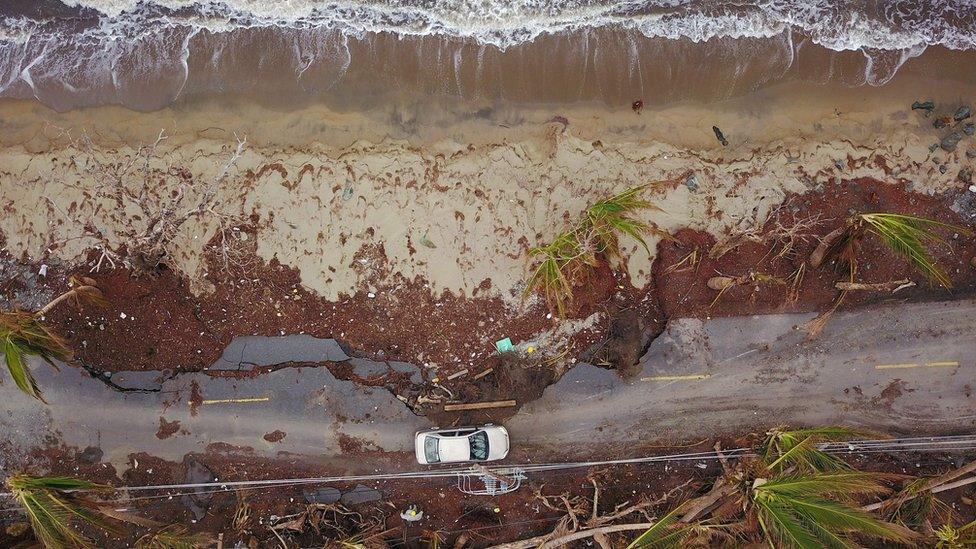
<point>892,286</point>
<point>702,505</point>
<point>933,485</point>
<point>544,542</point>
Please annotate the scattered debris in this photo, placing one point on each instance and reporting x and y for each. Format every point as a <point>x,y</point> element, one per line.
<point>457,374</point>
<point>691,182</point>
<point>484,373</point>
<point>893,286</point>
<point>412,514</point>
<point>942,122</point>
<point>425,241</point>
<point>504,345</point>
<point>720,136</point>
<point>324,495</point>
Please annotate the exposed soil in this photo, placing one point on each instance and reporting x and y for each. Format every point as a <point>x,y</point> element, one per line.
<point>681,279</point>
<point>153,322</point>
<point>485,521</point>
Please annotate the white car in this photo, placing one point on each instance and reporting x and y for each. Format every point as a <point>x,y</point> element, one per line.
<point>461,444</point>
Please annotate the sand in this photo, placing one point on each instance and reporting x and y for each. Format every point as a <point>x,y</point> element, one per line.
<point>451,193</point>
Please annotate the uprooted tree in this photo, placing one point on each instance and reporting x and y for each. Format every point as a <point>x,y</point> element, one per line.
<point>148,202</point>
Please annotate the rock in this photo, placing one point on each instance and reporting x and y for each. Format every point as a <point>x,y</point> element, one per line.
<point>365,368</point>
<point>720,136</point>
<point>90,455</point>
<point>691,182</point>
<point>324,495</point>
<point>950,141</point>
<point>927,106</point>
<point>197,473</point>
<point>962,113</point>
<point>969,129</point>
<point>361,494</point>
<point>966,175</point>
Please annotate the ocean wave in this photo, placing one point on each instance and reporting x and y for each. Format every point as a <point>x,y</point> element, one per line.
<point>837,25</point>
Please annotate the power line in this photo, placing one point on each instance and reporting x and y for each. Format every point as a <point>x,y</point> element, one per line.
<point>911,444</point>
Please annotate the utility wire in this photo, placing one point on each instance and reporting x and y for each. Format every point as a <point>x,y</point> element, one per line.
<point>912,444</point>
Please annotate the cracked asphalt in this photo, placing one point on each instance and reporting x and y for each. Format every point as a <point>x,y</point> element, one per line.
<point>898,368</point>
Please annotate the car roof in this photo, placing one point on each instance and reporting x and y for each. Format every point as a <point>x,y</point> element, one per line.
<point>454,449</point>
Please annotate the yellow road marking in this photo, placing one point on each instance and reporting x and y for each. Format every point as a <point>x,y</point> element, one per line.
<point>945,363</point>
<point>237,400</point>
<point>695,377</point>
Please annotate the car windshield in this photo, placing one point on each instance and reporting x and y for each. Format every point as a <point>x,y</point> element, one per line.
<point>479,445</point>
<point>430,450</point>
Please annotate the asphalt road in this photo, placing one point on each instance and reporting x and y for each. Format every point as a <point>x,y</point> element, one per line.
<point>896,368</point>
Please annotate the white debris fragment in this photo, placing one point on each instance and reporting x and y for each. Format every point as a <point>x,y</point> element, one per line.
<point>43,270</point>
<point>122,316</point>
<point>370,295</point>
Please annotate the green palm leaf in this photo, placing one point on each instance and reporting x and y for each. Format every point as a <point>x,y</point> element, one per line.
<point>783,448</point>
<point>779,523</point>
<point>841,484</point>
<point>837,517</point>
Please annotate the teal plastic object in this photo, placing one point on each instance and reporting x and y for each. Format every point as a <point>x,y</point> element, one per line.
<point>504,345</point>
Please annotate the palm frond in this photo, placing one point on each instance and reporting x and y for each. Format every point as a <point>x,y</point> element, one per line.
<point>812,510</point>
<point>779,524</point>
<point>837,517</point>
<point>906,235</point>
<point>174,536</point>
<point>21,334</point>
<point>51,508</point>
<point>842,484</point>
<point>783,448</point>
<point>561,263</point>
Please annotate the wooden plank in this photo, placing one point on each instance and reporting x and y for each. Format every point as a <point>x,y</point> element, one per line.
<point>479,405</point>
<point>483,374</point>
<point>458,374</point>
